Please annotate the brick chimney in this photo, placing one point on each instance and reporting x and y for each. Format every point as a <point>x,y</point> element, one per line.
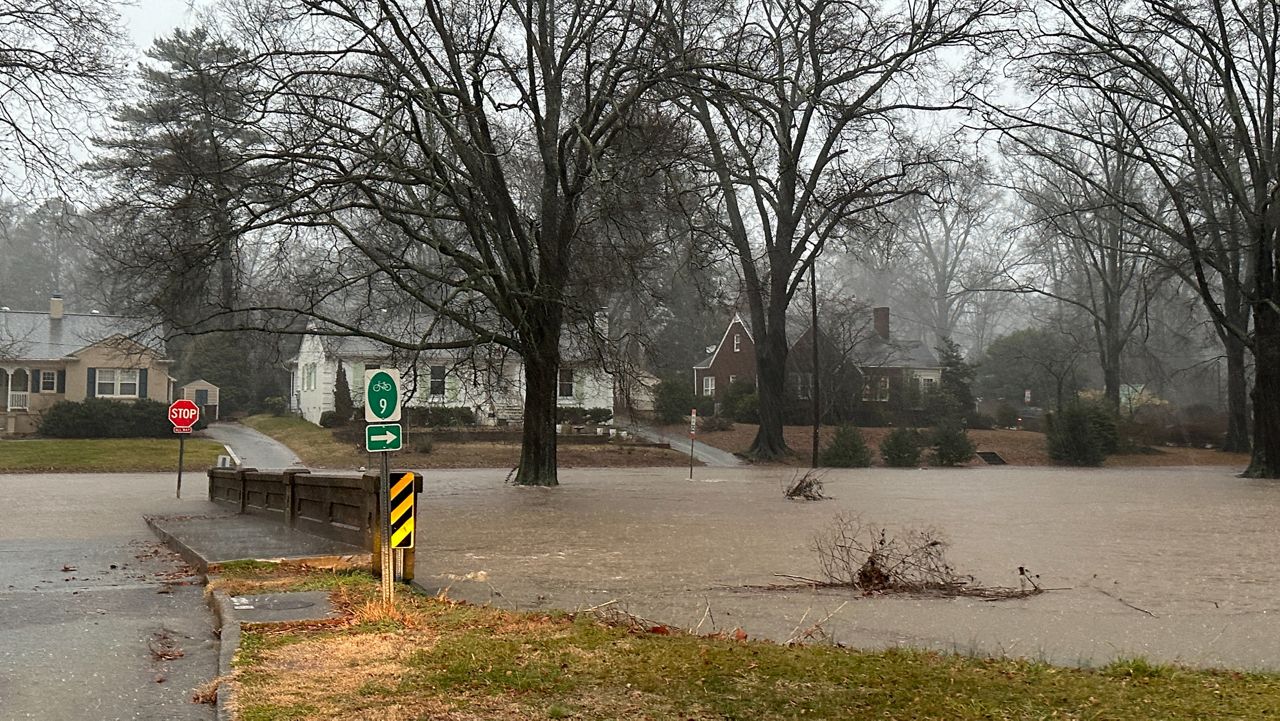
<point>881,318</point>
<point>55,306</point>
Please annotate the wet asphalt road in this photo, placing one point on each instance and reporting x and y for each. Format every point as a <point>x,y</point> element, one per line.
<point>97,621</point>
<point>1176,565</point>
<point>256,450</point>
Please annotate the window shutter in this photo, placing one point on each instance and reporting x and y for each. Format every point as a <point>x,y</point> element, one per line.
<point>142,383</point>
<point>62,380</point>
<point>91,384</point>
<point>33,377</point>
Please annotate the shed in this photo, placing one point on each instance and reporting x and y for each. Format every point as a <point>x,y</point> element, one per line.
<point>205,394</point>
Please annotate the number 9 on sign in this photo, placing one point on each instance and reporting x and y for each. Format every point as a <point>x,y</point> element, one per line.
<point>382,395</point>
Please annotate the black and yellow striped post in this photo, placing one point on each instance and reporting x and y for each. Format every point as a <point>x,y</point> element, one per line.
<point>402,497</point>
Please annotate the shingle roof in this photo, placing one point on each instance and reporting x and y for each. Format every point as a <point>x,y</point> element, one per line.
<point>33,335</point>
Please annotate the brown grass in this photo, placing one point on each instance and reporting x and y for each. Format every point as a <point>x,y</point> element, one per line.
<point>1019,448</point>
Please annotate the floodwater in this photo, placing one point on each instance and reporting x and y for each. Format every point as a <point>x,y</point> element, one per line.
<point>1171,564</point>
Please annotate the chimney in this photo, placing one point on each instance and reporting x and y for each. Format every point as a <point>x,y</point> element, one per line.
<point>55,306</point>
<point>881,318</point>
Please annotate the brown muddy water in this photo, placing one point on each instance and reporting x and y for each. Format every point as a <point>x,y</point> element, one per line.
<point>1172,564</point>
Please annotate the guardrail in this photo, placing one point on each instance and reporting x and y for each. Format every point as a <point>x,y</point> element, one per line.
<point>344,508</point>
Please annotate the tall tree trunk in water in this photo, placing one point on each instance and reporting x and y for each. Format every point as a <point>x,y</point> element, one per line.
<point>541,374</point>
<point>1265,462</point>
<point>1237,440</point>
<point>771,370</point>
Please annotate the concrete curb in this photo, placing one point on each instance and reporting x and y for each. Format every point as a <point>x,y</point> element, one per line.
<point>228,643</point>
<point>197,562</point>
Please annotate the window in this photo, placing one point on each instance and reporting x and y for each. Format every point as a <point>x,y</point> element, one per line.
<point>117,383</point>
<point>804,385</point>
<point>733,379</point>
<point>928,385</point>
<point>566,382</point>
<point>876,389</point>
<point>437,380</point>
<point>737,344</point>
<point>309,377</point>
<point>709,386</point>
<point>48,381</point>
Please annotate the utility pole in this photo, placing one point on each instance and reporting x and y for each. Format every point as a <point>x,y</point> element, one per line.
<point>813,337</point>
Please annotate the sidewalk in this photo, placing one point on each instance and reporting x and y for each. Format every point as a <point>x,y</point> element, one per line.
<point>709,455</point>
<point>213,534</point>
<point>253,449</point>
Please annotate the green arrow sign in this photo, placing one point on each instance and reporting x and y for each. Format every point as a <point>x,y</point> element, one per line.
<point>381,395</point>
<point>383,437</point>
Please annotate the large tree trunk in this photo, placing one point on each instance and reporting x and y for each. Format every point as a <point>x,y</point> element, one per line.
<point>1266,392</point>
<point>538,443</point>
<point>771,370</point>
<point>1237,440</point>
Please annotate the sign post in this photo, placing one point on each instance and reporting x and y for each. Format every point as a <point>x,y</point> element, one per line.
<point>183,414</point>
<point>693,430</point>
<point>382,436</point>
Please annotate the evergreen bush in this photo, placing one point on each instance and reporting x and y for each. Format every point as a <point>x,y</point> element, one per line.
<point>343,406</point>
<point>672,400</point>
<point>741,402</point>
<point>901,448</point>
<point>951,445</point>
<point>1075,437</point>
<point>101,418</point>
<point>848,449</point>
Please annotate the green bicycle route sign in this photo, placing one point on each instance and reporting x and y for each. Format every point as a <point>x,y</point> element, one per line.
<point>382,396</point>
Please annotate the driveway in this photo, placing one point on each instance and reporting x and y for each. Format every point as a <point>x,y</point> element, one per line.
<point>1172,564</point>
<point>99,622</point>
<point>254,449</point>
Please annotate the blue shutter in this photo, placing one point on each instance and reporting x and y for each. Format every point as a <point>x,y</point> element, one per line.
<point>91,384</point>
<point>142,383</point>
<point>33,376</point>
<point>62,380</point>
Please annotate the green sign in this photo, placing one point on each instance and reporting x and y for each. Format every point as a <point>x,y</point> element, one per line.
<point>382,396</point>
<point>383,437</point>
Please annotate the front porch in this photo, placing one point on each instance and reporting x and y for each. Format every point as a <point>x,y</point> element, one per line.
<point>15,400</point>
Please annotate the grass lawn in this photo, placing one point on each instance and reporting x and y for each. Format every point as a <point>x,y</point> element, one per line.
<point>318,449</point>
<point>1019,448</point>
<point>432,658</point>
<point>104,455</point>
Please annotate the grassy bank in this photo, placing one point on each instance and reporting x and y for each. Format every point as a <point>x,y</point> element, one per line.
<point>104,455</point>
<point>431,658</point>
<point>318,449</point>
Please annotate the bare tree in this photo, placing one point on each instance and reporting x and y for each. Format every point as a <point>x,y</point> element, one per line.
<point>1195,87</point>
<point>802,125</point>
<point>58,66</point>
<point>446,158</point>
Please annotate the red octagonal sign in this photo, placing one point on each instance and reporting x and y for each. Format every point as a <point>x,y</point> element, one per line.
<point>183,414</point>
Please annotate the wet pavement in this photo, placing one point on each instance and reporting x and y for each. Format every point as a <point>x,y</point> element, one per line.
<point>1173,564</point>
<point>97,620</point>
<point>704,453</point>
<point>255,450</point>
<point>214,534</point>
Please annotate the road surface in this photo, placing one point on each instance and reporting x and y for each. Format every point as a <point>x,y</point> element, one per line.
<point>98,621</point>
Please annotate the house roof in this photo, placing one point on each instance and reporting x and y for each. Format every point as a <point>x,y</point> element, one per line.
<point>34,336</point>
<point>898,354</point>
<point>737,318</point>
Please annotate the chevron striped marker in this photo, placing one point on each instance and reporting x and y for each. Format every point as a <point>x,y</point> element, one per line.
<point>402,497</point>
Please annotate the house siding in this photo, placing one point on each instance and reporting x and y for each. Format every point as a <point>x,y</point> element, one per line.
<point>728,362</point>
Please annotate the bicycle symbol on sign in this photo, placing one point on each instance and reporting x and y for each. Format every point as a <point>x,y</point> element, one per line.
<point>382,386</point>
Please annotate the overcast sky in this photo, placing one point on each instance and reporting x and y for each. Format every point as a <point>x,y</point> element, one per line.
<point>146,19</point>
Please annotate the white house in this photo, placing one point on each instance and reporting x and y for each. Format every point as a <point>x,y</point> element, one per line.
<point>488,380</point>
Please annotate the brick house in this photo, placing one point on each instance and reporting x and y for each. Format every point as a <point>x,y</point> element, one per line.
<point>46,357</point>
<point>875,376</point>
<point>732,359</point>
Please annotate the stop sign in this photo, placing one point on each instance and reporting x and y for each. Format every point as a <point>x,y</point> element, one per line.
<point>183,414</point>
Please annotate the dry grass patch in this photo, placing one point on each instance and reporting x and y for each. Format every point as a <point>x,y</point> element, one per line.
<point>438,659</point>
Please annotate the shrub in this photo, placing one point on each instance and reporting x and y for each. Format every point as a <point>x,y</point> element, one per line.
<point>1074,439</point>
<point>331,419</point>
<point>424,444</point>
<point>980,422</point>
<point>901,448</point>
<point>101,418</point>
<point>343,406</point>
<point>951,445</point>
<point>847,449</point>
<point>741,403</point>
<point>275,405</point>
<point>1103,424</point>
<point>577,416</point>
<point>1006,415</point>
<point>712,424</point>
<point>439,416</point>
<point>672,399</point>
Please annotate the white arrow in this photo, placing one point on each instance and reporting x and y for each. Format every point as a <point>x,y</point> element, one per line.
<point>386,437</point>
